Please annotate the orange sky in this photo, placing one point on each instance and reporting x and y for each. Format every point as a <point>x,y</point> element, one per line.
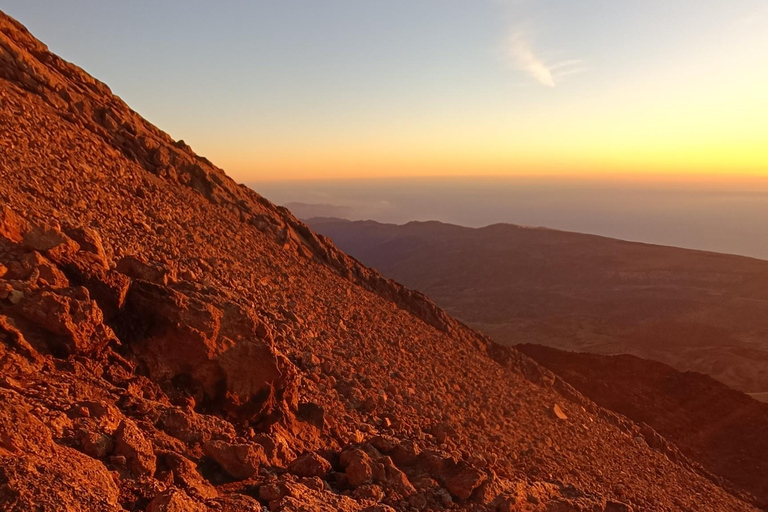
<point>436,88</point>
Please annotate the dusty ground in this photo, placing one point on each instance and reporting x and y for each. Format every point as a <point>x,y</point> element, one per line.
<point>172,341</point>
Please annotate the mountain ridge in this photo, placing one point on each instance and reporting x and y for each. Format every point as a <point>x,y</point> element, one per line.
<point>694,310</point>
<point>171,341</point>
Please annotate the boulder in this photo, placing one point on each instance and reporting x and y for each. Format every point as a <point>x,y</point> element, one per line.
<point>90,241</point>
<point>72,316</point>
<point>20,431</point>
<point>365,465</point>
<point>310,465</point>
<point>12,226</point>
<point>186,476</point>
<point>213,352</point>
<point>45,238</point>
<point>191,427</point>
<point>175,500</point>
<point>240,461</point>
<point>137,450</point>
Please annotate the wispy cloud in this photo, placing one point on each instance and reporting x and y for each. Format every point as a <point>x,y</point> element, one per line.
<point>524,58</point>
<point>522,55</point>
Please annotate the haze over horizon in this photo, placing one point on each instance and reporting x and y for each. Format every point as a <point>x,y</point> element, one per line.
<point>643,122</point>
<point>173,341</point>
<point>287,90</point>
<point>713,215</point>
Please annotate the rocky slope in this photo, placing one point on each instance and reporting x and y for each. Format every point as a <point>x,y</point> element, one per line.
<point>723,429</point>
<point>171,341</point>
<point>692,310</point>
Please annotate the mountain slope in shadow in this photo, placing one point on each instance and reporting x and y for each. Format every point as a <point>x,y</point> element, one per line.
<point>723,429</point>
<point>172,341</point>
<point>690,309</point>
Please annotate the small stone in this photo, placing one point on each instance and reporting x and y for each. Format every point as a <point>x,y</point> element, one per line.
<point>270,492</point>
<point>96,445</point>
<point>558,412</point>
<point>15,296</point>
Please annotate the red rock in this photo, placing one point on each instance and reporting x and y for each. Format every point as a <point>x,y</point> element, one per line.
<point>175,500</point>
<point>12,227</point>
<point>461,479</point>
<point>77,320</point>
<point>20,431</point>
<point>558,412</point>
<point>45,238</point>
<point>186,476</point>
<point>191,427</point>
<point>217,348</point>
<point>137,268</point>
<point>310,464</point>
<point>96,445</point>
<point>300,498</point>
<point>615,506</point>
<point>235,503</point>
<point>240,461</point>
<point>131,443</point>
<point>66,481</point>
<point>90,240</point>
<point>358,466</point>
<point>366,465</point>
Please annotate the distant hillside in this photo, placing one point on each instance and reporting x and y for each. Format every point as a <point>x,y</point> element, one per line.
<point>693,310</point>
<point>707,420</point>
<point>171,341</point>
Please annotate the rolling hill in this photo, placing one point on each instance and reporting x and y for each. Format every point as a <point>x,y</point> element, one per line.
<point>690,309</point>
<point>172,341</point>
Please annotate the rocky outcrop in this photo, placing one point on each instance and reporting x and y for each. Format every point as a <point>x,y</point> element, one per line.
<point>215,354</point>
<point>172,341</point>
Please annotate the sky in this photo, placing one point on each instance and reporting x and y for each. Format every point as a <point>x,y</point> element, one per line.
<point>297,90</point>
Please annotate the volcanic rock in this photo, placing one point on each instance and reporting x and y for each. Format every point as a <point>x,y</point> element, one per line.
<point>137,450</point>
<point>240,461</point>
<point>310,464</point>
<point>194,364</point>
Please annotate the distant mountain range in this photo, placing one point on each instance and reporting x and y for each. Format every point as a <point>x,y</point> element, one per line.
<point>690,309</point>
<point>173,341</point>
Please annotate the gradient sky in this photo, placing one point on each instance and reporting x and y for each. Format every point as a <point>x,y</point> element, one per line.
<point>370,88</point>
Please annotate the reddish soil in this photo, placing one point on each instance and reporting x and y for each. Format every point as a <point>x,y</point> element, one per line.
<point>723,429</point>
<point>171,341</point>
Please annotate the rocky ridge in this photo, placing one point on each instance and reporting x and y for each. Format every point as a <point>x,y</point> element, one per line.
<point>172,341</point>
